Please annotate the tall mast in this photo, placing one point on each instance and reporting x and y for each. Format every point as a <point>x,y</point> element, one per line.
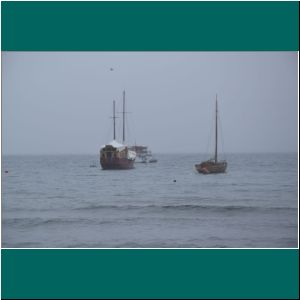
<point>114,118</point>
<point>216,142</point>
<point>123,116</point>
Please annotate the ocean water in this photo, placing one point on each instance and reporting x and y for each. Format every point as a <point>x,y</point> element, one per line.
<point>60,201</point>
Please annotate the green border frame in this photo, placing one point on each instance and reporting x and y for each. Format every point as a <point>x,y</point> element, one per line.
<point>150,274</point>
<point>150,26</point>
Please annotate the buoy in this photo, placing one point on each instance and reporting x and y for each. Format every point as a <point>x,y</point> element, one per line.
<point>174,180</point>
<point>5,171</point>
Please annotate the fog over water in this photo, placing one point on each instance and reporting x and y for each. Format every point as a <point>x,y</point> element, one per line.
<point>60,102</point>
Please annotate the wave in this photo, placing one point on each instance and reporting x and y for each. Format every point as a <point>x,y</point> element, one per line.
<point>186,207</point>
<point>54,221</point>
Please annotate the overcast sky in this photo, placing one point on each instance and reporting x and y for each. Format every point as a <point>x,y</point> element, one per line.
<point>60,102</point>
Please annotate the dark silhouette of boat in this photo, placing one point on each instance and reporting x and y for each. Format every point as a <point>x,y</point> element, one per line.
<point>213,166</point>
<point>152,160</point>
<point>114,155</point>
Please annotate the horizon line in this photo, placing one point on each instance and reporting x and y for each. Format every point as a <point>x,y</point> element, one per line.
<point>156,153</point>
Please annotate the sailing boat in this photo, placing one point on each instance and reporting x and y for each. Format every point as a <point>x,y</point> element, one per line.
<point>213,166</point>
<point>114,155</point>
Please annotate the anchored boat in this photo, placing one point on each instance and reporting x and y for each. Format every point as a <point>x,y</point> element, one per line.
<point>143,155</point>
<point>114,155</point>
<point>213,166</point>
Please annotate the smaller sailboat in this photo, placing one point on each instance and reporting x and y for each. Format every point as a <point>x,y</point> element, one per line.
<point>213,166</point>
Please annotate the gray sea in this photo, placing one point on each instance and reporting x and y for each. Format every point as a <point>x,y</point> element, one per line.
<point>60,201</point>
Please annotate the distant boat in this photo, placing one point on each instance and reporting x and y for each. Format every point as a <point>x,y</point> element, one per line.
<point>143,155</point>
<point>114,155</point>
<point>152,160</point>
<point>213,166</point>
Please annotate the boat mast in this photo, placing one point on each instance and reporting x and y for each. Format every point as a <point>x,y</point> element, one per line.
<point>114,118</point>
<point>123,116</point>
<point>216,142</point>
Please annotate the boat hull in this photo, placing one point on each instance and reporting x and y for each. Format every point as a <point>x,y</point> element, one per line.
<point>153,160</point>
<point>211,167</point>
<point>115,156</point>
<point>116,163</point>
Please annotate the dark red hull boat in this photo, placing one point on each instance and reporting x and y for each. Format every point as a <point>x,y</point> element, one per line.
<point>213,166</point>
<point>210,167</point>
<point>116,156</point>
